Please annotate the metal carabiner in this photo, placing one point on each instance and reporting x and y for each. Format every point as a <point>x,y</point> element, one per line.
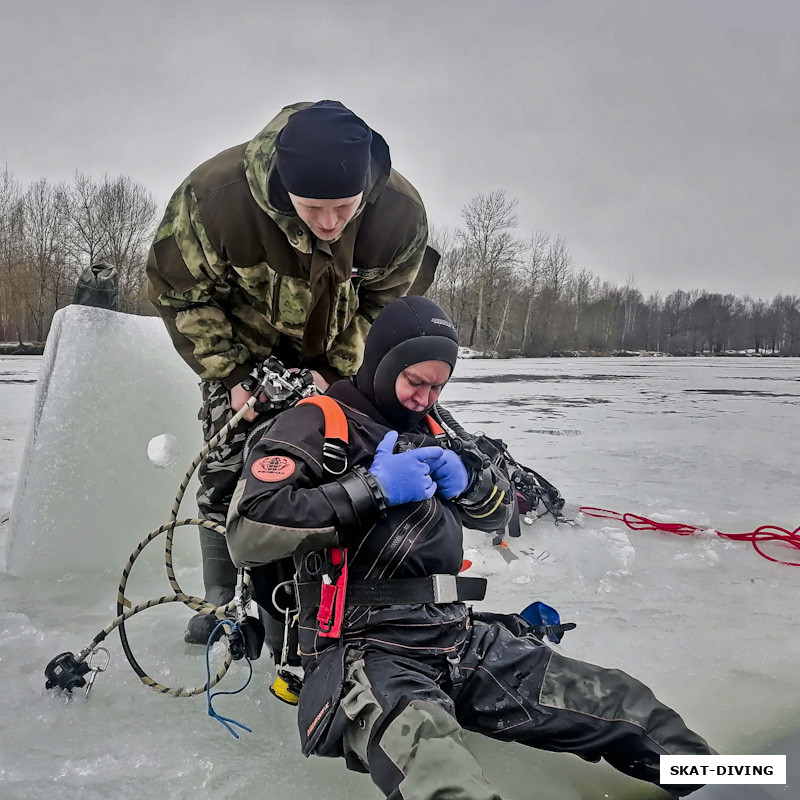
<point>95,669</point>
<point>290,590</point>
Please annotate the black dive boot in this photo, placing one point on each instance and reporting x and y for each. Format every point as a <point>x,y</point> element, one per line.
<point>219,577</point>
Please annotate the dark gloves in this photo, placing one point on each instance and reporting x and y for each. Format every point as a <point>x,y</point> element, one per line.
<point>450,475</point>
<point>404,477</point>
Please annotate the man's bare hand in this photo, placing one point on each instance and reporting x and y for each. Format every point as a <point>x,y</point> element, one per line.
<point>239,396</point>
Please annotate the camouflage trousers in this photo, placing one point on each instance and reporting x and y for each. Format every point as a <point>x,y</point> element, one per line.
<point>218,475</point>
<point>402,718</point>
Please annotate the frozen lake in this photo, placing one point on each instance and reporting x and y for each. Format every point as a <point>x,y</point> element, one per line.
<point>708,623</point>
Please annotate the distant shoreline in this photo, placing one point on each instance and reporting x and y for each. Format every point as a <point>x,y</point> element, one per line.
<point>17,349</point>
<point>37,348</point>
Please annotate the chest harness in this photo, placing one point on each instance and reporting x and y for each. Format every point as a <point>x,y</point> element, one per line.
<point>332,592</point>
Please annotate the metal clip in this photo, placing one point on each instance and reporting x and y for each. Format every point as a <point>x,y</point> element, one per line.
<point>334,457</point>
<point>94,669</point>
<point>289,587</point>
<point>287,622</point>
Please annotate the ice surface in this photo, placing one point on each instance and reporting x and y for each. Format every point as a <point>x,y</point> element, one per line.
<point>708,623</point>
<point>108,384</point>
<point>17,385</point>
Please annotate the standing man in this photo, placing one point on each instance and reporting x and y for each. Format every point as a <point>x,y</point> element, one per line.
<point>288,245</point>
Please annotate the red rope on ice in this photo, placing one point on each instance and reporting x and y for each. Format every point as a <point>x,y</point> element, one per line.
<point>761,535</point>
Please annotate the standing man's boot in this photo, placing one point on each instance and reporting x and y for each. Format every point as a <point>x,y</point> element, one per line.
<point>219,577</point>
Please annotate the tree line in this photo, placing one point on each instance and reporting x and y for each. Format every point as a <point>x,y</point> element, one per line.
<point>51,232</point>
<point>511,296</point>
<point>508,295</point>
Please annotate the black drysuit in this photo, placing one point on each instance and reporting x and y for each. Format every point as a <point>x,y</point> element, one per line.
<point>393,694</point>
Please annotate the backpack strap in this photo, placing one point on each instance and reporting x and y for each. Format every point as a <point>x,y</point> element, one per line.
<point>334,449</point>
<point>330,592</point>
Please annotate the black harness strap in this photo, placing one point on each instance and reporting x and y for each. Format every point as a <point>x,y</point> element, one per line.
<point>401,591</point>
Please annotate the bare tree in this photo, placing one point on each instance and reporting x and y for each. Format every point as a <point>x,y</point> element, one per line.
<point>130,214</point>
<point>758,314</point>
<point>582,283</point>
<point>12,307</point>
<point>788,310</point>
<point>630,300</point>
<point>531,275</point>
<point>493,251</point>
<point>557,268</point>
<point>43,280</point>
<point>556,273</point>
<point>444,289</point>
<point>654,305</point>
<point>88,224</point>
<point>451,287</point>
<point>112,220</point>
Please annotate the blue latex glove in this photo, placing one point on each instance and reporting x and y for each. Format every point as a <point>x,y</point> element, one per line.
<point>404,477</point>
<point>450,475</point>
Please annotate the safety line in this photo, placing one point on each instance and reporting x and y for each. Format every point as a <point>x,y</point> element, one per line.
<point>760,536</point>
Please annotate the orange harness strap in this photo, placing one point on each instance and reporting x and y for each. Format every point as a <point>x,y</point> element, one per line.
<point>334,449</point>
<point>333,589</point>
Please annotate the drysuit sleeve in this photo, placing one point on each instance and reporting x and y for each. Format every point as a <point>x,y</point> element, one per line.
<point>487,504</point>
<point>285,505</point>
<point>186,281</point>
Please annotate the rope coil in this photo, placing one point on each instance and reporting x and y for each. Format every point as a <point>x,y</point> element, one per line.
<point>197,604</point>
<point>66,670</point>
<point>125,610</point>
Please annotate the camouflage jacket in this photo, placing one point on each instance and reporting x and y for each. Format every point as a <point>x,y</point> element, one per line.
<point>237,276</point>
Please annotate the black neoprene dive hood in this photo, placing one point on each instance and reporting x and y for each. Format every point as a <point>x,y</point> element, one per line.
<point>407,331</point>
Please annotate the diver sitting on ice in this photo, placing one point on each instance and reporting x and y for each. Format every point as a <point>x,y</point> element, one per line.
<point>371,506</point>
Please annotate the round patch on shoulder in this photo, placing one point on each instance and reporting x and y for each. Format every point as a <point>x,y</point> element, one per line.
<point>273,468</point>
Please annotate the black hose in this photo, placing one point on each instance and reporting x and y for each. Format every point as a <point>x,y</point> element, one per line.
<point>126,648</point>
<point>445,417</point>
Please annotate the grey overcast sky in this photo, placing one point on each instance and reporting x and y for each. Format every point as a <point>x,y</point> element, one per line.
<point>660,137</point>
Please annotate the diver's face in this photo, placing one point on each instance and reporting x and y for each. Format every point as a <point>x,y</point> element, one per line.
<point>326,218</point>
<point>418,387</point>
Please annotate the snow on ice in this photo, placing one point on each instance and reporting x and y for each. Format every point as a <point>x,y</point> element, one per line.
<point>707,622</point>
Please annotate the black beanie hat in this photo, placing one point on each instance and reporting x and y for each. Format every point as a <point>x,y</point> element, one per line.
<point>407,331</point>
<point>323,152</point>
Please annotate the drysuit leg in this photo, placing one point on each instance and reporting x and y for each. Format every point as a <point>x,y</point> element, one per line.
<point>517,689</point>
<point>395,721</point>
<point>218,475</point>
